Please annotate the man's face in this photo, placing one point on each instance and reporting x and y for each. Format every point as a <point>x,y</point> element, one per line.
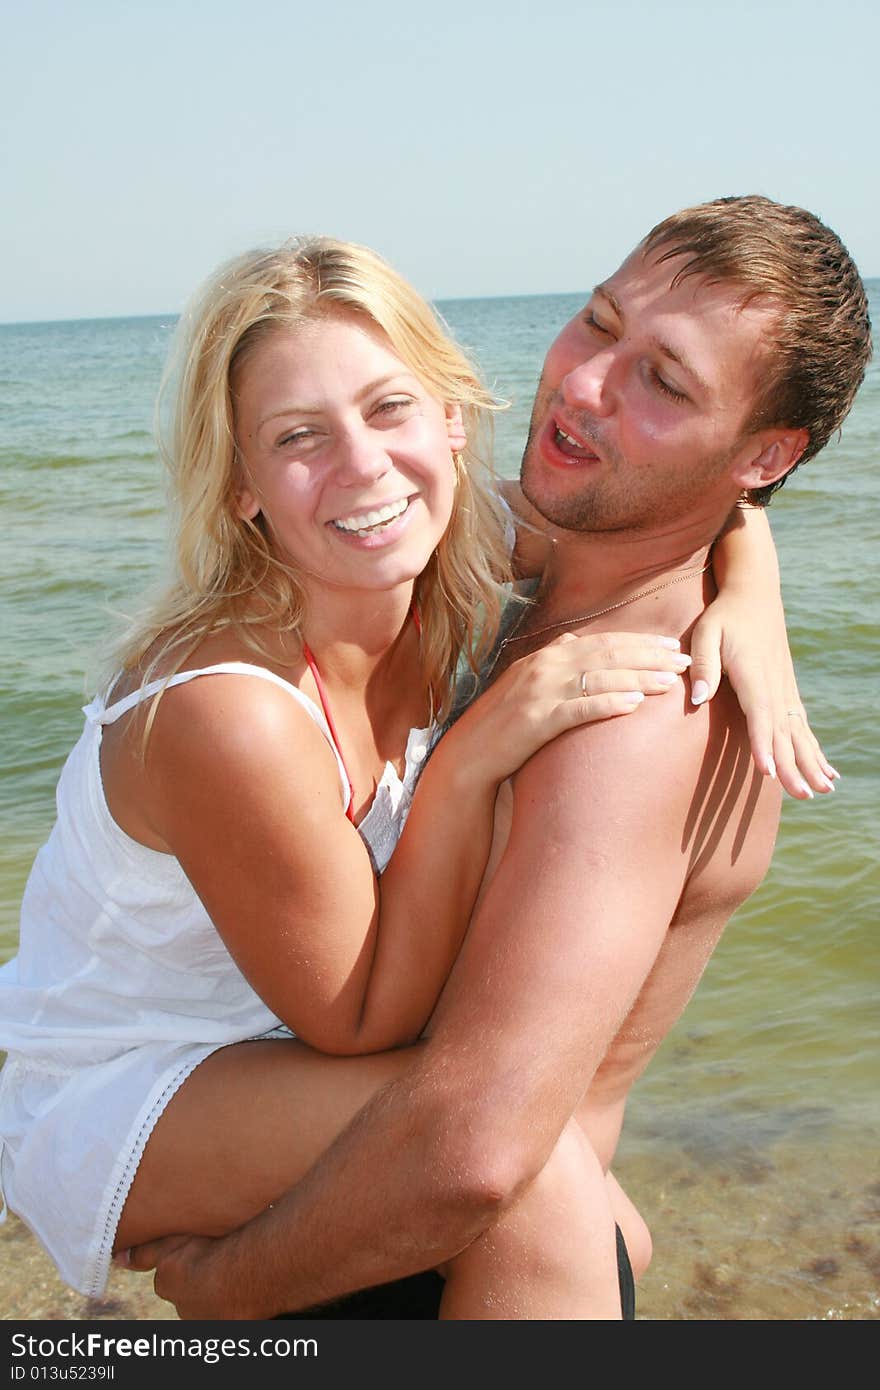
<point>641,409</point>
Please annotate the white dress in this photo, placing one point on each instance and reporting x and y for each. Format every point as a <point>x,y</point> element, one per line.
<point>121,987</point>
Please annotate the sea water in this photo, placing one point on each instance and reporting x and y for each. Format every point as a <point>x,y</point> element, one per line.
<point>751,1144</point>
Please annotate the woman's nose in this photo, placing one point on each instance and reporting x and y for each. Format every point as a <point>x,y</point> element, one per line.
<point>362,459</point>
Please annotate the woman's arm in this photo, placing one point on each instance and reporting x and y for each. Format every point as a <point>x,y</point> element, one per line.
<point>531,538</point>
<point>743,633</point>
<point>243,789</point>
<point>437,868</point>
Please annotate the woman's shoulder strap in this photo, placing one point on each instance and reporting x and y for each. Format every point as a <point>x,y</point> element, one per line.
<point>100,712</point>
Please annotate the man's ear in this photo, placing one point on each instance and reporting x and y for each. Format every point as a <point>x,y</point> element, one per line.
<point>768,457</point>
<point>455,428</point>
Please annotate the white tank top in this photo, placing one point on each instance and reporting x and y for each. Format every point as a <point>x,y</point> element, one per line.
<point>116,948</point>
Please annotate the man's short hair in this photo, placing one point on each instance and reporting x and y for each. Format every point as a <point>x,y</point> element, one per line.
<point>821,338</point>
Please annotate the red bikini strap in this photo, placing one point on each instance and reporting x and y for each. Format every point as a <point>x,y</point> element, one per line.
<point>322,694</point>
<point>325,705</point>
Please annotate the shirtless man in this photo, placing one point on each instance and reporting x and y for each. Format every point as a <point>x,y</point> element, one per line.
<point>724,351</point>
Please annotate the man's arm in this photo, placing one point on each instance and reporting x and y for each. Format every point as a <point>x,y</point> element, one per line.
<point>560,947</point>
<point>572,922</point>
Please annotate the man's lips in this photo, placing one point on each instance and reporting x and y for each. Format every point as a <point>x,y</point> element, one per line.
<point>562,442</point>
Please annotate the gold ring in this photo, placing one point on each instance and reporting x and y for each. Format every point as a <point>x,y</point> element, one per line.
<point>584,690</point>
<point>794,714</point>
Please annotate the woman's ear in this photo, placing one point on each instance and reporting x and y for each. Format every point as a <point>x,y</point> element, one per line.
<point>455,428</point>
<point>247,504</point>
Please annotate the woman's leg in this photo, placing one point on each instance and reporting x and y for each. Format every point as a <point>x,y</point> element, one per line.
<point>252,1118</point>
<point>245,1126</point>
<point>552,1256</point>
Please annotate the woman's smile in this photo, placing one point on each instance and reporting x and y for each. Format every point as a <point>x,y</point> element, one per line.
<point>344,453</point>
<point>375,523</point>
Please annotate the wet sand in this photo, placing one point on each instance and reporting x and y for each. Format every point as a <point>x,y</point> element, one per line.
<point>31,1289</point>
<point>748,1238</point>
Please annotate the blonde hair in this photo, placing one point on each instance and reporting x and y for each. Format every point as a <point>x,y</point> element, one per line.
<point>224,561</point>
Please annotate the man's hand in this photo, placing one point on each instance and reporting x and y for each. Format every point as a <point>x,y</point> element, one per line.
<point>187,1276</point>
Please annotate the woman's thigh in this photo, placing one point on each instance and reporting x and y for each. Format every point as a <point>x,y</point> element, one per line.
<point>245,1126</point>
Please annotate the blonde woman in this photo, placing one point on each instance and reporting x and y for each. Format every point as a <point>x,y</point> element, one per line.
<point>211,889</point>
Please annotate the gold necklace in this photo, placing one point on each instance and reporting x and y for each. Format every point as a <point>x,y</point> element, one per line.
<point>588,617</point>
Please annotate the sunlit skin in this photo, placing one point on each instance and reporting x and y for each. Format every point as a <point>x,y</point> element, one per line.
<point>330,426</point>
<point>597,914</point>
<point>653,385</point>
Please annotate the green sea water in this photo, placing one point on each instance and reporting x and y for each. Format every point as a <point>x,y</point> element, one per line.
<point>751,1144</point>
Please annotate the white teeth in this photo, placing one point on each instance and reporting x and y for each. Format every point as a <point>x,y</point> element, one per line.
<point>364,521</point>
<point>567,437</point>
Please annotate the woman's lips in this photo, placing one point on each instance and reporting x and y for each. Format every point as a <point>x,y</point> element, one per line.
<point>376,534</point>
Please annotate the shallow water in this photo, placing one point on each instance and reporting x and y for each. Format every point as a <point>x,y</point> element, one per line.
<point>751,1144</point>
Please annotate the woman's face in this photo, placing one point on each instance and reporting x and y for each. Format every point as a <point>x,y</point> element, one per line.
<point>345,453</point>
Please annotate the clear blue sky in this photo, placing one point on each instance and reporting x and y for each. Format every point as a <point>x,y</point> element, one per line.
<point>484,146</point>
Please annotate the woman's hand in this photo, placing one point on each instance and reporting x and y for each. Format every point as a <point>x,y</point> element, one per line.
<point>743,634</point>
<point>573,680</point>
<point>749,644</point>
<point>531,540</point>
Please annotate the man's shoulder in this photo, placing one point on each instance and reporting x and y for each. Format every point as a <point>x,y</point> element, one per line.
<point>657,770</point>
<point>664,730</point>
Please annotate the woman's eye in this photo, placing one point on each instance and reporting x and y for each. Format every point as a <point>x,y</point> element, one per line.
<point>295,437</point>
<point>394,406</point>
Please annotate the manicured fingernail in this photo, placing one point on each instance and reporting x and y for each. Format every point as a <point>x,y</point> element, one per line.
<point>682,661</point>
<point>665,677</point>
<point>829,770</point>
<point>805,787</point>
<point>122,1258</point>
<point>699,693</point>
<point>771,768</point>
<point>672,642</point>
<point>634,697</point>
<point>827,784</point>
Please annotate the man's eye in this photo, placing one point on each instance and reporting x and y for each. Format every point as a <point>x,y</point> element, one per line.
<point>664,386</point>
<point>592,322</point>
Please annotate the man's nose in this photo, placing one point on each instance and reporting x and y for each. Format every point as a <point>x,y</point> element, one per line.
<point>588,386</point>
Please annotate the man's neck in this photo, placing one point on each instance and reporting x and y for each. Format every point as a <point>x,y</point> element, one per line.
<point>588,572</point>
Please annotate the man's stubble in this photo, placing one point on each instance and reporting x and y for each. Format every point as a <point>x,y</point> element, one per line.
<point>615,497</point>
